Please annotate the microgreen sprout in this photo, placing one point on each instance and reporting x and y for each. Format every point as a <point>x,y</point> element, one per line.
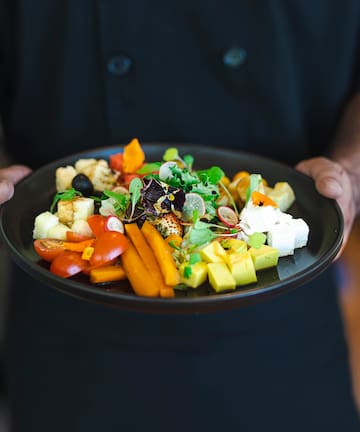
<point>66,195</point>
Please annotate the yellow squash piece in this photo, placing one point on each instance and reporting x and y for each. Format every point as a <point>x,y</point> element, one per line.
<point>220,277</point>
<point>198,274</point>
<point>242,268</point>
<point>264,257</point>
<point>213,253</point>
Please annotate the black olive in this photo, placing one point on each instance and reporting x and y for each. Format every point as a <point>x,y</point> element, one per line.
<point>82,183</point>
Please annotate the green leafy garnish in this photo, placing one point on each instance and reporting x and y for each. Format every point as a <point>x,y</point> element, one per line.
<point>212,175</point>
<point>120,200</point>
<point>135,193</point>
<point>149,168</point>
<point>67,195</point>
<point>171,154</point>
<point>255,180</point>
<point>256,240</point>
<point>194,258</point>
<point>187,272</point>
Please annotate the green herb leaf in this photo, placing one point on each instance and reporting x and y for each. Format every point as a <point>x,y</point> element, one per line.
<point>67,195</point>
<point>194,258</point>
<point>200,235</point>
<point>135,192</point>
<point>149,168</point>
<point>189,160</point>
<point>171,154</point>
<point>187,272</point>
<point>256,240</point>
<point>255,180</point>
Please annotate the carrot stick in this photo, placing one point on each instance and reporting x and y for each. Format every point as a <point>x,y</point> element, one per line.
<point>148,257</point>
<point>141,280</point>
<point>162,254</point>
<point>107,274</point>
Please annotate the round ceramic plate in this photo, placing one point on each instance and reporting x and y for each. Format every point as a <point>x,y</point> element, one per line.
<point>34,194</point>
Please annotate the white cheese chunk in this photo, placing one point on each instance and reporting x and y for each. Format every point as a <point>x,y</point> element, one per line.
<point>301,232</point>
<point>258,219</point>
<point>282,237</point>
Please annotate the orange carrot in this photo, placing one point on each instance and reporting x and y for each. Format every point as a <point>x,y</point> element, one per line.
<point>107,274</point>
<point>141,280</point>
<point>133,157</point>
<point>148,257</point>
<point>162,254</point>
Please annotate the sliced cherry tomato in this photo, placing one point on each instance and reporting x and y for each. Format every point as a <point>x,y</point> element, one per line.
<point>97,224</point>
<point>68,264</point>
<point>72,236</point>
<point>48,249</point>
<point>116,161</point>
<point>107,247</point>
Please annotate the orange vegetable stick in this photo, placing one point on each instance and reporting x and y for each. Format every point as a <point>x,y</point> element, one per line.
<point>133,157</point>
<point>78,246</point>
<point>141,280</point>
<point>162,254</point>
<point>148,257</point>
<point>107,274</point>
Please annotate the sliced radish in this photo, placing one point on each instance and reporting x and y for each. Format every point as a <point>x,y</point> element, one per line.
<point>193,202</point>
<point>165,172</point>
<point>113,223</point>
<point>227,216</point>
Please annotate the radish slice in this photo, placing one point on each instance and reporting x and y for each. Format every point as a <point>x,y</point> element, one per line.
<point>227,216</point>
<point>193,202</point>
<point>165,172</point>
<point>113,223</point>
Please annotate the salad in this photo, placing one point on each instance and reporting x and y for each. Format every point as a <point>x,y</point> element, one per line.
<point>164,225</point>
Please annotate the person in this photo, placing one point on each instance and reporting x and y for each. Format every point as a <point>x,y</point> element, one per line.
<point>277,79</point>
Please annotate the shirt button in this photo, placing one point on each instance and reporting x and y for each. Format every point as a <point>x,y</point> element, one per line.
<point>119,65</point>
<point>234,57</point>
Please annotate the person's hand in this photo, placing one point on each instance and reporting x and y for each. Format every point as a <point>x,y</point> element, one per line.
<point>333,181</point>
<point>8,178</point>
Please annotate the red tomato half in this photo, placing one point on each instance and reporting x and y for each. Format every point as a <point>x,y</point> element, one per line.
<point>68,264</point>
<point>48,249</point>
<point>97,224</point>
<point>107,247</point>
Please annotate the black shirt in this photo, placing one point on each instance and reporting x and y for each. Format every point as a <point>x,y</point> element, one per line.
<point>269,77</point>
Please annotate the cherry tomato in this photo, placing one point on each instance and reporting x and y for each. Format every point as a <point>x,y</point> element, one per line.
<point>116,161</point>
<point>48,249</point>
<point>68,264</point>
<point>97,224</point>
<point>107,247</point>
<point>72,236</point>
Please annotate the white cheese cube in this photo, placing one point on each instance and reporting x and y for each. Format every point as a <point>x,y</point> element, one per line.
<point>258,219</point>
<point>282,237</point>
<point>301,232</point>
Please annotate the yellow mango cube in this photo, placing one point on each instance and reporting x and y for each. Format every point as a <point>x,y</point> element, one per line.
<point>220,277</point>
<point>213,253</point>
<point>198,274</point>
<point>242,268</point>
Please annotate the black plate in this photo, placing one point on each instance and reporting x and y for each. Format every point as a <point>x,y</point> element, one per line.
<point>33,195</point>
